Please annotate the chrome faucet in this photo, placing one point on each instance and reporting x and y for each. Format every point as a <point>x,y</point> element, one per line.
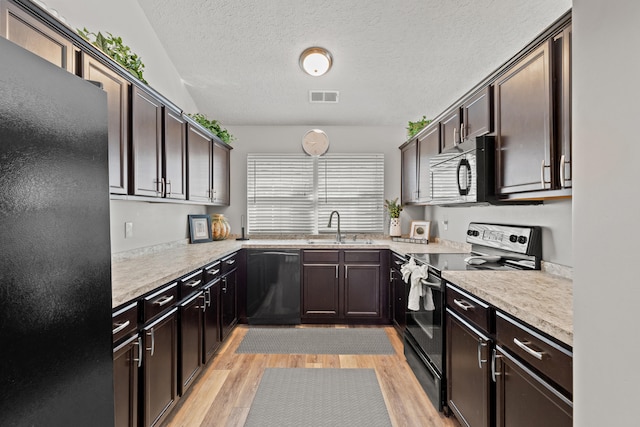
<point>338,235</point>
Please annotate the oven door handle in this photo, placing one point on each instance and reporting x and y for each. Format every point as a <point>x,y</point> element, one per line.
<point>433,285</point>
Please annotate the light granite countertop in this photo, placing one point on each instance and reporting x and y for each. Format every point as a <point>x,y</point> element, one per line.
<point>540,299</point>
<point>134,276</point>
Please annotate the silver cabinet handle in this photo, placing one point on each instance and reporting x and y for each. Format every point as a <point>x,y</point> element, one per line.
<point>542,174</point>
<point>336,271</point>
<point>207,299</point>
<point>462,132</point>
<point>562,171</point>
<point>121,326</point>
<point>164,300</point>
<point>168,187</point>
<point>213,272</point>
<point>346,271</point>
<point>230,261</point>
<point>480,360</point>
<point>455,136</point>
<point>193,283</point>
<point>463,304</point>
<point>224,287</point>
<point>162,187</point>
<point>153,341</point>
<point>204,303</point>
<point>494,374</point>
<point>523,345</point>
<point>139,345</point>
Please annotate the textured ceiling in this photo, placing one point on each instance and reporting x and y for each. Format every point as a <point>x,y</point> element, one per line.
<point>394,61</point>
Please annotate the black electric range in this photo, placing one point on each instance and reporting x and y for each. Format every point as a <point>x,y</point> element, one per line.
<point>493,247</point>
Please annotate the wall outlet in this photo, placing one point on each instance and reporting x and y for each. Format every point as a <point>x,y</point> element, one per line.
<point>445,223</point>
<point>128,230</point>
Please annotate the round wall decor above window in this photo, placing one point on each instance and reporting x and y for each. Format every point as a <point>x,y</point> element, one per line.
<point>315,142</point>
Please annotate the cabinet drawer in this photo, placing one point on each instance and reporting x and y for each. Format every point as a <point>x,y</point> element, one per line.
<point>362,256</point>
<point>326,257</point>
<point>397,261</point>
<point>469,307</point>
<point>125,321</point>
<point>212,272</point>
<point>229,263</point>
<point>547,357</point>
<point>190,283</point>
<point>160,301</point>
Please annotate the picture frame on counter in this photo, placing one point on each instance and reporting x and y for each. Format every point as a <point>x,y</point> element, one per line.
<point>420,230</point>
<point>200,228</point>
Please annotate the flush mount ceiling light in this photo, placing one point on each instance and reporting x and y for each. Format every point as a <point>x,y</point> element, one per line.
<point>315,61</point>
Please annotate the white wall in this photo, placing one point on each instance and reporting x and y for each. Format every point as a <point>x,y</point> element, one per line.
<point>125,18</point>
<point>287,139</point>
<point>606,212</point>
<point>553,216</point>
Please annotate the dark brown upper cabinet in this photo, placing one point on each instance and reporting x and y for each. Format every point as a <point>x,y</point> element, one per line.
<point>477,115</point>
<point>409,173</point>
<point>200,155</point>
<point>175,155</point>
<point>221,174</point>
<point>428,146</point>
<point>524,124</point>
<point>117,89</point>
<point>146,144</point>
<point>562,102</point>
<point>450,129</point>
<point>35,36</point>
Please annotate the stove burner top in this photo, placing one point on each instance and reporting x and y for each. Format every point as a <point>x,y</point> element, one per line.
<point>456,262</point>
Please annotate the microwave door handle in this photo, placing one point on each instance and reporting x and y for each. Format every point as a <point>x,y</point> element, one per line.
<point>463,191</point>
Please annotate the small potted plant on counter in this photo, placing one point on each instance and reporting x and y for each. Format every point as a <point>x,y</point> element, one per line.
<point>394,209</point>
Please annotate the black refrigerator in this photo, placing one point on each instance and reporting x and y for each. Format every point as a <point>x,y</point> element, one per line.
<point>55,259</point>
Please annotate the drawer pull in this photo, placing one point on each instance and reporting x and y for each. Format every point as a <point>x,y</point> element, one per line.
<point>230,261</point>
<point>523,345</point>
<point>164,300</point>
<point>193,283</point>
<point>121,326</point>
<point>463,304</point>
<point>139,345</point>
<point>480,359</point>
<point>213,272</point>
<point>153,341</point>
<point>494,374</point>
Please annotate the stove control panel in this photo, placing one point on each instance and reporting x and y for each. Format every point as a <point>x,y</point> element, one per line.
<point>511,238</point>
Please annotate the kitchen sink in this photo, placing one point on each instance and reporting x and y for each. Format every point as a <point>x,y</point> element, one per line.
<point>344,242</point>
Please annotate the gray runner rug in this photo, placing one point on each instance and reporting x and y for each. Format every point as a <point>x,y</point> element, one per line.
<point>315,397</point>
<point>316,341</point>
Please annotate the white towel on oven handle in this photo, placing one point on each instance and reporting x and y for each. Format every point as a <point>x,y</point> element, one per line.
<point>427,299</point>
<point>416,291</point>
<point>407,269</point>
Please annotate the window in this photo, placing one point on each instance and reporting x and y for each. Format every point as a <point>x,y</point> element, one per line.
<point>295,193</point>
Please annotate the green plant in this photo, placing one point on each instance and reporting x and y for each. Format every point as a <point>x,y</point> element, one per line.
<point>415,127</point>
<point>393,208</point>
<point>213,126</point>
<point>113,46</point>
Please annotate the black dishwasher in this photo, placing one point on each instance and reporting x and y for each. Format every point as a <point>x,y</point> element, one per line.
<point>273,287</point>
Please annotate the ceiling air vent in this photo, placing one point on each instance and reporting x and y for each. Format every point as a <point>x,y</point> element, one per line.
<point>323,96</point>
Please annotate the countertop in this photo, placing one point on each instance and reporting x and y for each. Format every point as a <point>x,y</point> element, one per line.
<point>540,299</point>
<point>137,275</point>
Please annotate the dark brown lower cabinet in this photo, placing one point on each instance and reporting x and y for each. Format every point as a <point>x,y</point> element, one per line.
<point>320,291</point>
<point>160,368</point>
<point>191,328</point>
<point>212,327</point>
<point>229,303</point>
<point>526,400</point>
<point>362,290</point>
<point>126,361</point>
<point>468,373</point>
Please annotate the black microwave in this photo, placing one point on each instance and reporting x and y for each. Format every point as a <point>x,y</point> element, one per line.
<point>465,174</point>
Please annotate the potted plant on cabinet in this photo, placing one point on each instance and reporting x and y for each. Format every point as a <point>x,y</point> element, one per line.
<point>394,209</point>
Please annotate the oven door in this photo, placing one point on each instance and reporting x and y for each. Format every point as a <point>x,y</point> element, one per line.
<point>425,325</point>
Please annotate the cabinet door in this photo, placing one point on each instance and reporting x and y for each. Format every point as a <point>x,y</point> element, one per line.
<point>450,128</point>
<point>526,400</point>
<point>399,303</point>
<point>212,325</point>
<point>126,361</point>
<point>409,165</point>
<point>362,290</point>
<point>428,146</point>
<point>229,302</point>
<point>468,373</point>
<point>175,155</point>
<point>220,187</point>
<point>35,36</point>
<point>191,324</point>
<point>523,125</point>
<point>320,291</point>
<point>199,165</point>
<point>477,115</point>
<point>562,103</point>
<point>160,368</point>
<point>146,144</point>
<point>117,89</point>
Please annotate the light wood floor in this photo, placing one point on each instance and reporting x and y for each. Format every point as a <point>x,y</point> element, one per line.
<point>223,393</point>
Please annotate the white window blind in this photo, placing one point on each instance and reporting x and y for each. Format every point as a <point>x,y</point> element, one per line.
<point>280,194</point>
<point>353,185</point>
<point>295,193</point>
